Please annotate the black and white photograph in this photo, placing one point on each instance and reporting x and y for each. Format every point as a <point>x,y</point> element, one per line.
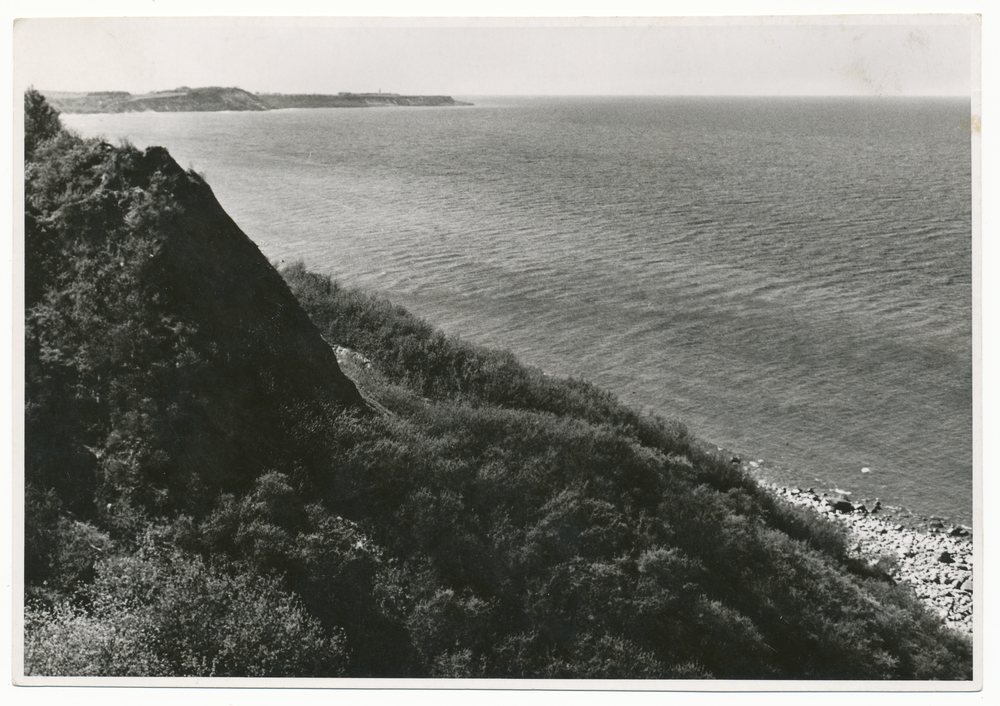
<point>634,353</point>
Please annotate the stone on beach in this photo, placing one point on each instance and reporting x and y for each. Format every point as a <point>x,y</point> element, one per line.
<point>842,506</point>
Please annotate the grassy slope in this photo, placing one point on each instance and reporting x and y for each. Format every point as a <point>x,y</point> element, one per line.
<point>603,536</point>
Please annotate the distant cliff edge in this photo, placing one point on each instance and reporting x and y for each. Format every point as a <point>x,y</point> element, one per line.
<point>184,99</point>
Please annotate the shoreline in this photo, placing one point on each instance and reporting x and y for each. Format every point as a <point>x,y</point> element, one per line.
<point>923,517</point>
<point>931,554</point>
<point>770,474</point>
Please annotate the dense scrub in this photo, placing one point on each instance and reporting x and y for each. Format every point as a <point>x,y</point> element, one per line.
<point>491,521</point>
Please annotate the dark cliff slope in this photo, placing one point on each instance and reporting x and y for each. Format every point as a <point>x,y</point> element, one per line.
<point>163,352</point>
<point>220,279</point>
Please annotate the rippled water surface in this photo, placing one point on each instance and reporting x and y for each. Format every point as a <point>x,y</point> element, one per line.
<point>789,277</point>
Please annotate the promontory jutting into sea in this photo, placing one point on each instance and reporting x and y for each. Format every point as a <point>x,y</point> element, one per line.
<point>790,277</point>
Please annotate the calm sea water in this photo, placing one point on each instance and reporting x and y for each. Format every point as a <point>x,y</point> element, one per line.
<point>789,277</point>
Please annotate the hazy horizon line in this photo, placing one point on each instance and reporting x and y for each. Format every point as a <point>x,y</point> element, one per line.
<point>523,95</point>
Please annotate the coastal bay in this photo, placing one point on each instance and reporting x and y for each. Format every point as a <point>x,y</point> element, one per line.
<point>429,496</point>
<point>777,280</point>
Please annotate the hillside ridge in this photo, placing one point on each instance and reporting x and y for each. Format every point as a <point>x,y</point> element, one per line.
<point>216,98</point>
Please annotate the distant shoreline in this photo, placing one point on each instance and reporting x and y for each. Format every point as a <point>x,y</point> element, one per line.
<point>217,99</point>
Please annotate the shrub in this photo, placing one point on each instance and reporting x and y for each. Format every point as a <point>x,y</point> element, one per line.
<point>164,612</point>
<point>41,122</point>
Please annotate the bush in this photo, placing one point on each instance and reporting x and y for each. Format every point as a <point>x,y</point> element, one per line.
<point>164,612</point>
<point>41,122</point>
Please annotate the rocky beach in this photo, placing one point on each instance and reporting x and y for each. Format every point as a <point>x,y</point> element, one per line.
<point>930,553</point>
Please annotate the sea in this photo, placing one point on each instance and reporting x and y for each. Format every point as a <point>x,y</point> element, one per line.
<point>791,278</point>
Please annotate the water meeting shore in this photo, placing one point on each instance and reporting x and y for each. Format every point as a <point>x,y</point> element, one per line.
<point>932,554</point>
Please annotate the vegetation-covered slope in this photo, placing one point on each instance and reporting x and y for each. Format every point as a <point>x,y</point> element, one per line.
<point>207,494</point>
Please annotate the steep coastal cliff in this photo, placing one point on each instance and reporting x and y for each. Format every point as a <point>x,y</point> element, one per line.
<point>207,493</point>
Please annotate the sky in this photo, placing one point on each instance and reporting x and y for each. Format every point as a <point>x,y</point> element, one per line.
<point>888,56</point>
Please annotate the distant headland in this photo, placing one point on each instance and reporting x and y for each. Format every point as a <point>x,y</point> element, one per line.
<point>216,98</point>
